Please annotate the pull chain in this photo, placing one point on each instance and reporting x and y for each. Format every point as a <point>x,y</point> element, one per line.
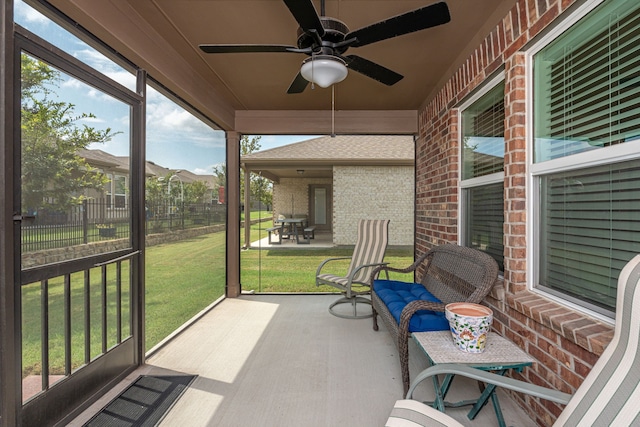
<point>312,67</point>
<point>333,110</point>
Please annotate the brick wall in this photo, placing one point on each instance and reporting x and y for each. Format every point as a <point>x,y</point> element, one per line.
<point>436,181</point>
<point>293,194</point>
<point>564,342</point>
<point>373,192</point>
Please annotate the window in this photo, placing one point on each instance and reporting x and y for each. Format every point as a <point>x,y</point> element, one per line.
<point>483,173</point>
<point>586,131</point>
<point>120,192</point>
<point>590,229</point>
<point>116,191</point>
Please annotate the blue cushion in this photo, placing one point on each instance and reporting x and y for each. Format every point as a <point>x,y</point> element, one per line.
<point>396,295</point>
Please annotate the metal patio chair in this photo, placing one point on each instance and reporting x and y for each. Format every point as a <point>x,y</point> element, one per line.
<point>368,253</point>
<point>608,396</point>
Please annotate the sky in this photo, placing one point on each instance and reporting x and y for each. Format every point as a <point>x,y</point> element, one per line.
<point>175,138</point>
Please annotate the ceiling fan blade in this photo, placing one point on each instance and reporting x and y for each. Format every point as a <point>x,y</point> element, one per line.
<point>373,70</point>
<point>416,20</point>
<point>306,15</point>
<point>298,85</point>
<point>246,48</point>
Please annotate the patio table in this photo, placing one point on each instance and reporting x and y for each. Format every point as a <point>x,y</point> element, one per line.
<point>294,222</point>
<point>500,356</point>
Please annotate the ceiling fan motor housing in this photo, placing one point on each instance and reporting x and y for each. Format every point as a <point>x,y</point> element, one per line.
<point>334,32</point>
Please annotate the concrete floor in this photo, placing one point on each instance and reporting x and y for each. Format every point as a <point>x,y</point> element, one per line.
<point>283,360</point>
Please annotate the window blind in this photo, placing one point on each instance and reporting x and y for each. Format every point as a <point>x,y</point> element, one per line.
<point>483,135</point>
<point>483,154</point>
<point>590,230</point>
<point>588,85</point>
<point>485,221</point>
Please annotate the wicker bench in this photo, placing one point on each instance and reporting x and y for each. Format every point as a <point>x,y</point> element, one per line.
<point>448,273</point>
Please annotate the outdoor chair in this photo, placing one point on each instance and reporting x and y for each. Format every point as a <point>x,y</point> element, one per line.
<point>608,396</point>
<point>447,273</point>
<point>368,253</point>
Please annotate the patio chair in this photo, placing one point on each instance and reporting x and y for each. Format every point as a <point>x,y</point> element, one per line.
<point>368,253</point>
<point>608,396</point>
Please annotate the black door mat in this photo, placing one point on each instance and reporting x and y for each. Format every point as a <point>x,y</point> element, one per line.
<point>144,403</point>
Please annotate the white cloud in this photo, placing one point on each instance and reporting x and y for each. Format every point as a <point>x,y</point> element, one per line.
<point>28,14</point>
<point>92,120</point>
<point>167,121</point>
<point>205,171</point>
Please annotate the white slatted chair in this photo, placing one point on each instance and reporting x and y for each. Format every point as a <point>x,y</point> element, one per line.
<point>609,395</point>
<point>368,253</point>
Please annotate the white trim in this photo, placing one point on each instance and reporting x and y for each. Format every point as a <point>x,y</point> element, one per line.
<point>600,156</point>
<point>477,181</point>
<point>532,190</point>
<point>487,86</point>
<point>607,155</point>
<point>482,180</point>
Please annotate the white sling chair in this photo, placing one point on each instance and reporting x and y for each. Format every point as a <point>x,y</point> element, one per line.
<point>609,395</point>
<point>368,253</point>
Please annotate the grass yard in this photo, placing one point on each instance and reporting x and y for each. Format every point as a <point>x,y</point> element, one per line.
<point>182,278</point>
<point>294,270</point>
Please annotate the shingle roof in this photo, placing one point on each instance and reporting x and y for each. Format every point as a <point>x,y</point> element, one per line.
<point>99,157</point>
<point>104,159</point>
<point>342,148</point>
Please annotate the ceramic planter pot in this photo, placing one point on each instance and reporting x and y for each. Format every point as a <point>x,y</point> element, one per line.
<point>469,324</point>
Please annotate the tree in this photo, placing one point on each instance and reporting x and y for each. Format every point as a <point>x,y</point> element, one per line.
<point>261,188</point>
<point>195,192</point>
<point>53,174</point>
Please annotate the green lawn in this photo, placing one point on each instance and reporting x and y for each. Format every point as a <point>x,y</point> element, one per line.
<point>294,270</point>
<point>181,279</point>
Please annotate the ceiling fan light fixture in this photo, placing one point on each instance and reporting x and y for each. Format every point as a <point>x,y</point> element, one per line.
<point>324,70</point>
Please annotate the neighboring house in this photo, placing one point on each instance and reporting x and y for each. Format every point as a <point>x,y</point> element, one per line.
<point>336,181</point>
<point>116,168</point>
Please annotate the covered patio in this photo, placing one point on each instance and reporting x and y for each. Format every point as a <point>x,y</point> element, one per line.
<point>466,96</point>
<point>283,360</point>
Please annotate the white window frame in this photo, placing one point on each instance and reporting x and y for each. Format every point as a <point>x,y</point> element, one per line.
<point>477,181</point>
<point>113,178</point>
<point>588,159</point>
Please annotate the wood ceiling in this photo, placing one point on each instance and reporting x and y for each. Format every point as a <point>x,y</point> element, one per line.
<point>247,92</point>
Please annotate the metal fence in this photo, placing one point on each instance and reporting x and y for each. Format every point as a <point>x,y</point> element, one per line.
<point>97,220</point>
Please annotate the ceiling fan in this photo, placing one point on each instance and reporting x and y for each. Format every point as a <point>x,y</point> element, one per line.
<point>325,40</point>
